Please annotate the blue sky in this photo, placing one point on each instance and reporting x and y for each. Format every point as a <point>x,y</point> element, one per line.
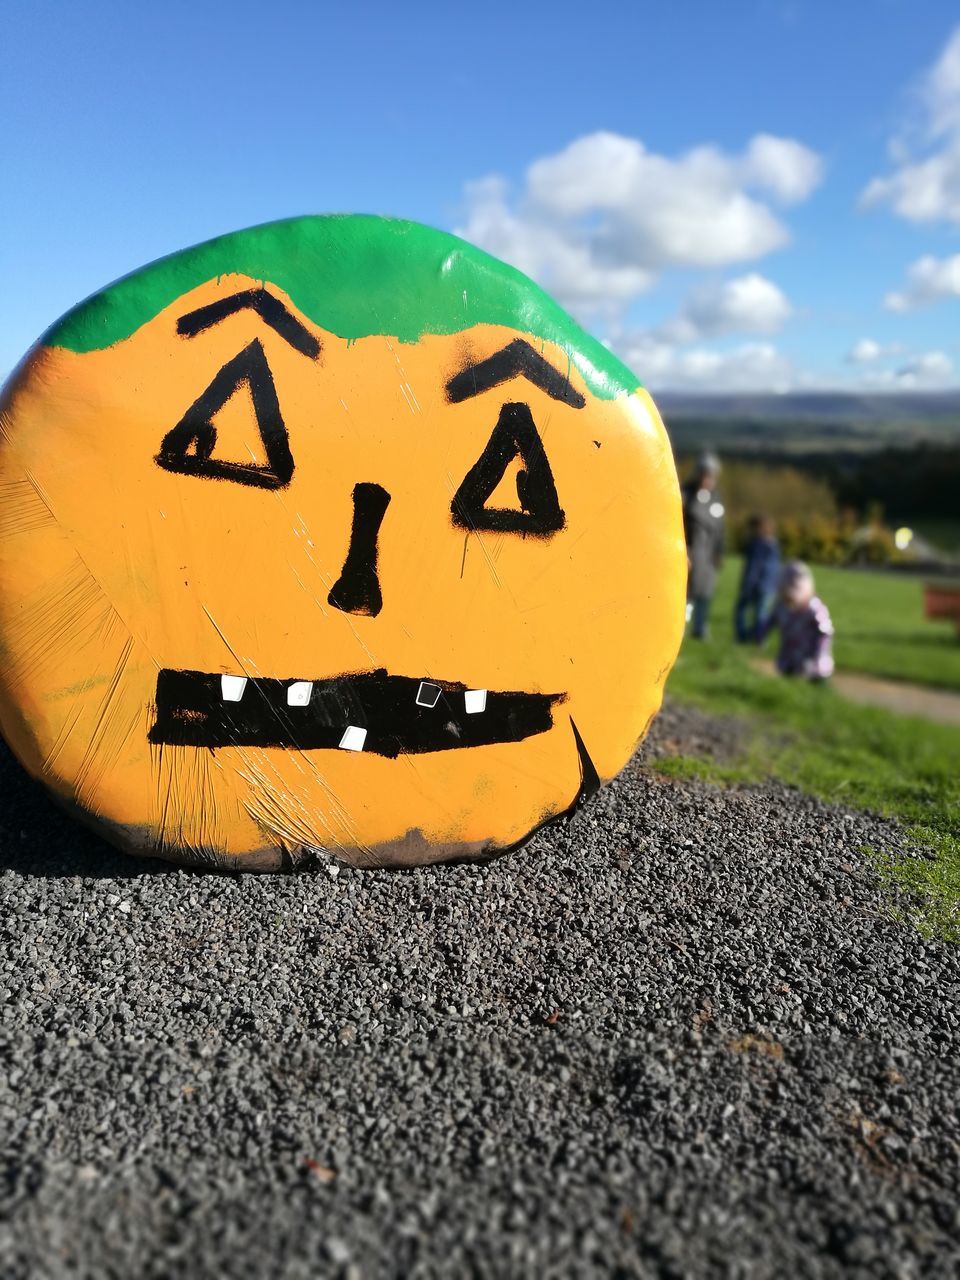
<point>728,194</point>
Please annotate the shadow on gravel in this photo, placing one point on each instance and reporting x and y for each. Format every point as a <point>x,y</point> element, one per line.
<point>38,837</point>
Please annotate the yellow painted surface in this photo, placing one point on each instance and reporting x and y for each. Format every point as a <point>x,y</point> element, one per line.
<point>112,568</point>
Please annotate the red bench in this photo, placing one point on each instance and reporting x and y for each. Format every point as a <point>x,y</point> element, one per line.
<point>942,600</point>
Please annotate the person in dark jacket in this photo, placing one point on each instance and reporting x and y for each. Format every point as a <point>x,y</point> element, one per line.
<point>703,526</point>
<point>759,580</point>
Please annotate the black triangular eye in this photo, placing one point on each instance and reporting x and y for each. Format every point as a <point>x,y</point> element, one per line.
<point>190,447</point>
<point>514,436</point>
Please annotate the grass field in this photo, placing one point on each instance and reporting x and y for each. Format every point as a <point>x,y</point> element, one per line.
<point>879,621</point>
<point>809,736</point>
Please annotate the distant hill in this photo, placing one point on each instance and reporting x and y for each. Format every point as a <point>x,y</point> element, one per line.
<point>818,406</point>
<point>805,422</point>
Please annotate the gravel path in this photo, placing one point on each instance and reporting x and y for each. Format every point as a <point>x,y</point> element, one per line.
<point>681,1037</point>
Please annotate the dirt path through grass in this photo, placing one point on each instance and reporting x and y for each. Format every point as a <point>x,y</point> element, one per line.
<point>941,705</point>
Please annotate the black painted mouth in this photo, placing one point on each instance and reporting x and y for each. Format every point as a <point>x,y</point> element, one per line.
<point>370,712</point>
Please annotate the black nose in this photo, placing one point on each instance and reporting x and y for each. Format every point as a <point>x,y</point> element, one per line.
<point>357,590</point>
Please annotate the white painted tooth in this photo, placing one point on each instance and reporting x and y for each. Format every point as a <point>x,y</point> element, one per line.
<point>353,738</point>
<point>232,687</point>
<point>475,701</point>
<point>428,695</point>
<point>298,693</point>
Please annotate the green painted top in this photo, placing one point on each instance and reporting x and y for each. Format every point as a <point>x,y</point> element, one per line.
<point>353,275</point>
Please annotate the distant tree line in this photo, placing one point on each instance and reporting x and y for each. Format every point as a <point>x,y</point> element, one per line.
<point>922,482</point>
<point>840,508</point>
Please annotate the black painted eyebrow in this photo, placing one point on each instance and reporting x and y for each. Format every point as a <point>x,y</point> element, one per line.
<point>270,310</point>
<point>516,359</point>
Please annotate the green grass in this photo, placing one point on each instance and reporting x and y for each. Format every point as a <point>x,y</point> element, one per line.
<point>879,622</point>
<point>863,757</point>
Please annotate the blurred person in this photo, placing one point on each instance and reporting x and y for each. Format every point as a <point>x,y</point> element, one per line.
<point>703,527</point>
<point>803,620</point>
<point>758,581</point>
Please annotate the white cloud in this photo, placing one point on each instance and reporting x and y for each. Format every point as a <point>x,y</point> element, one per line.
<point>942,89</point>
<point>865,351</point>
<point>926,187</point>
<point>756,366</point>
<point>926,191</point>
<point>925,371</point>
<point>745,304</point>
<point>921,371</point>
<point>596,222</point>
<point>760,367</point>
<point>786,168</point>
<point>561,259</point>
<point>931,369</point>
<point>929,280</point>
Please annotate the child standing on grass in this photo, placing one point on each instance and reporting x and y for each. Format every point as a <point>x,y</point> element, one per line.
<point>806,631</point>
<point>758,582</point>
